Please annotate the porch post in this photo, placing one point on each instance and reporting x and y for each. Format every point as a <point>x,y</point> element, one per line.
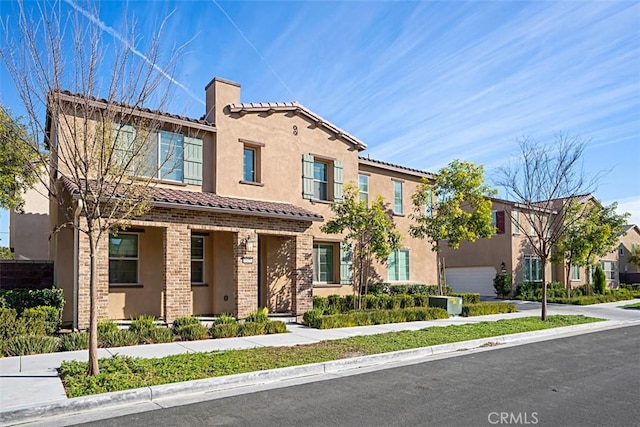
<point>303,276</point>
<point>102,279</point>
<point>245,272</point>
<point>176,272</point>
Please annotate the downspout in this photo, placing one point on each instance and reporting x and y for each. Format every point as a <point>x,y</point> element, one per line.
<point>76,244</point>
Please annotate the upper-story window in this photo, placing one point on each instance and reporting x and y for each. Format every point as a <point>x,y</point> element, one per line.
<point>497,221</point>
<point>249,164</point>
<point>163,155</point>
<point>363,187</point>
<point>321,178</point>
<point>251,159</point>
<point>397,197</point>
<point>515,219</point>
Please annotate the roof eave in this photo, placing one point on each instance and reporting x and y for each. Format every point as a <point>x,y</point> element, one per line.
<point>237,211</point>
<point>378,165</point>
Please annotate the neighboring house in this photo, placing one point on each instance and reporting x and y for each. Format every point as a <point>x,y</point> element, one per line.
<point>235,224</point>
<point>32,220</point>
<point>630,240</point>
<point>473,266</point>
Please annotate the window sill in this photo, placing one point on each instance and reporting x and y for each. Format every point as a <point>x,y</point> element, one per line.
<point>199,285</point>
<point>125,285</point>
<point>329,285</point>
<point>257,184</point>
<point>163,181</point>
<point>398,214</point>
<point>322,202</point>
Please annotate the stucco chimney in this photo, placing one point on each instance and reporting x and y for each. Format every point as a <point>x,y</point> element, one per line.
<point>219,94</point>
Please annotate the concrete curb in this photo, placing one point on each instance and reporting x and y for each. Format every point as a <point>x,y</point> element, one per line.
<point>149,394</point>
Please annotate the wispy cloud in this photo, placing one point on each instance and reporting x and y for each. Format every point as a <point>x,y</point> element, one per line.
<point>115,34</point>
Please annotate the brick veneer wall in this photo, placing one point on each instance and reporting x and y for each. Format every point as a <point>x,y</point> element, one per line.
<point>177,225</point>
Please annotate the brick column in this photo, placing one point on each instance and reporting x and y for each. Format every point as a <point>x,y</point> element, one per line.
<point>303,275</point>
<point>102,279</point>
<point>245,274</point>
<point>177,272</point>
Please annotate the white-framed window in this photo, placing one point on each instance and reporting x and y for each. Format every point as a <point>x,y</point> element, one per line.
<point>363,187</point>
<point>609,268</point>
<point>398,264</point>
<point>323,263</point>
<point>249,170</point>
<point>166,155</point>
<point>515,218</point>
<point>123,258</point>
<point>575,272</point>
<point>197,259</point>
<point>397,197</point>
<point>320,180</point>
<point>532,268</point>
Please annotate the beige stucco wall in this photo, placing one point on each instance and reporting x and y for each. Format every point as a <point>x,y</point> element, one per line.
<point>147,298</point>
<point>29,228</point>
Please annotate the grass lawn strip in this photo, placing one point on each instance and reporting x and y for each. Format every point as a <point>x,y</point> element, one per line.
<point>634,306</point>
<point>122,373</point>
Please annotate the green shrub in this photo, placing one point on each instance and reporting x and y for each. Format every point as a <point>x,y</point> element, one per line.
<point>503,284</point>
<point>528,290</point>
<point>375,317</point>
<point>19,299</point>
<point>51,317</point>
<point>468,297</point>
<point>24,345</point>
<point>182,322</point>
<point>191,332</point>
<point>421,300</point>
<point>74,341</point>
<point>35,321</point>
<point>225,330</point>
<point>487,308</point>
<point>107,326</point>
<point>261,315</point>
<point>10,326</point>
<point>276,327</point>
<point>599,280</point>
<point>117,338</point>
<point>252,328</point>
<point>142,326</point>
<point>225,319</point>
<point>634,287</point>
<point>161,335</point>
<point>309,318</point>
<point>320,302</point>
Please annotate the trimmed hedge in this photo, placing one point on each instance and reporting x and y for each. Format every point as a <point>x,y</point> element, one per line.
<point>411,289</point>
<point>315,319</point>
<point>485,308</point>
<point>24,299</point>
<point>335,304</point>
<point>467,297</point>
<point>609,296</point>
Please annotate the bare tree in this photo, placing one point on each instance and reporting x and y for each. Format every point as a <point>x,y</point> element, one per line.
<point>96,135</point>
<point>545,180</point>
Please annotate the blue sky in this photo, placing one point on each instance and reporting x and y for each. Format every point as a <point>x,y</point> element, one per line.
<point>421,83</point>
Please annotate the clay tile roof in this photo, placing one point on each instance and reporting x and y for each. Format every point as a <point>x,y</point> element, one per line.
<point>199,121</point>
<point>387,165</point>
<point>258,107</point>
<point>195,199</point>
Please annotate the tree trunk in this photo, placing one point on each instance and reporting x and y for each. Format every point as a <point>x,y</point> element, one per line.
<point>94,369</point>
<point>543,315</point>
<point>439,273</point>
<point>568,283</point>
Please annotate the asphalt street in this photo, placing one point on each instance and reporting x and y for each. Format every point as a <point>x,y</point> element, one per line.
<point>586,380</point>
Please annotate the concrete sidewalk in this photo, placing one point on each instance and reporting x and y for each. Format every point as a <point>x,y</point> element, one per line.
<point>32,381</point>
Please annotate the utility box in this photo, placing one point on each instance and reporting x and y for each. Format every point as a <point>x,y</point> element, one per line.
<point>453,305</point>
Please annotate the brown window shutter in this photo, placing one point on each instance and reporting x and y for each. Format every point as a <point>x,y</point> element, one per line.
<point>500,221</point>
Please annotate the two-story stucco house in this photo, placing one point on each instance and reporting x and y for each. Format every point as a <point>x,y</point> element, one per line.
<point>235,224</point>
<point>473,266</point>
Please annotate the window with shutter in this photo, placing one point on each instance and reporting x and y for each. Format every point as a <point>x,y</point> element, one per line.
<point>192,160</point>
<point>337,180</point>
<point>307,176</point>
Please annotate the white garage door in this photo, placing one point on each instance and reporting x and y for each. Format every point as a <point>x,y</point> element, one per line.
<point>472,279</point>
